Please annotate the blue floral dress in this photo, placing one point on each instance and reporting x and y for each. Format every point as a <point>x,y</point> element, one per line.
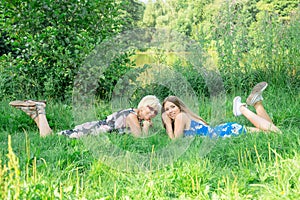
<point>223,130</point>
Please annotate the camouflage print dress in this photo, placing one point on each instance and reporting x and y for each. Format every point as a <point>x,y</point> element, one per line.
<point>115,122</point>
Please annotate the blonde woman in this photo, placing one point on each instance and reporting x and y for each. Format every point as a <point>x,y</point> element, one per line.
<point>179,120</point>
<point>133,120</point>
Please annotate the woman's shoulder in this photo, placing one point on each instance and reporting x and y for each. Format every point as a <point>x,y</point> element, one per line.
<point>187,118</point>
<point>132,114</point>
<point>182,116</point>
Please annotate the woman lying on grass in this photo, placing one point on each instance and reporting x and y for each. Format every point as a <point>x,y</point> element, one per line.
<point>179,120</point>
<point>133,120</point>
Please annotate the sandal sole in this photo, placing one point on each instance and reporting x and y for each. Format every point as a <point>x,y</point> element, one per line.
<point>19,103</point>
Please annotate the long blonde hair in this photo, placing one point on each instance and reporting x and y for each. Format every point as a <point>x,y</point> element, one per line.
<point>183,108</point>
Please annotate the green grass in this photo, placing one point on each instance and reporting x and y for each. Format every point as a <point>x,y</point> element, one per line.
<point>251,166</point>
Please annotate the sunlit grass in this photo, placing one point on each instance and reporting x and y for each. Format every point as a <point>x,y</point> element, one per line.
<point>251,166</point>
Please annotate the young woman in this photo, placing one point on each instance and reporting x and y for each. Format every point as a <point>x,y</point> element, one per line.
<point>133,120</point>
<point>179,120</point>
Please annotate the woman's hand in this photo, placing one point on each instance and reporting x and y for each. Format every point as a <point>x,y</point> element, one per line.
<point>146,125</point>
<point>166,118</point>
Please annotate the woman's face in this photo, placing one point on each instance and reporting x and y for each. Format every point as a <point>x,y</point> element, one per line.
<point>171,109</point>
<point>147,113</point>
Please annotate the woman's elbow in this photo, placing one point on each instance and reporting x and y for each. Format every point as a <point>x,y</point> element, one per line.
<point>178,135</point>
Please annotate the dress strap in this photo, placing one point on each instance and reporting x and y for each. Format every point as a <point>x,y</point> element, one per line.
<point>132,111</point>
<point>140,120</point>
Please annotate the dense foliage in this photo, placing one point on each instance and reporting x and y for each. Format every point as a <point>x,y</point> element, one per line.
<point>45,42</point>
<point>249,40</point>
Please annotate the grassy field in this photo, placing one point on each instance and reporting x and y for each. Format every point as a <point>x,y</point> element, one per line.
<point>251,166</point>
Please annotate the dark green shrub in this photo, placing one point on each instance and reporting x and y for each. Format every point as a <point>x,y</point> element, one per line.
<point>47,41</point>
<point>117,69</point>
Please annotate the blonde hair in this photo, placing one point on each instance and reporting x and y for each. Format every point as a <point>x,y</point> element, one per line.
<point>150,100</point>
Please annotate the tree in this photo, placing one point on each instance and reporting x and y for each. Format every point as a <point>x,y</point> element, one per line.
<point>46,41</point>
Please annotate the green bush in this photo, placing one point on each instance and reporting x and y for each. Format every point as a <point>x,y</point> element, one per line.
<point>47,41</point>
<point>117,69</point>
<point>266,49</point>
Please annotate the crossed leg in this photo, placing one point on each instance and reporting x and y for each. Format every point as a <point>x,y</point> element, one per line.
<point>260,119</point>
<point>36,111</point>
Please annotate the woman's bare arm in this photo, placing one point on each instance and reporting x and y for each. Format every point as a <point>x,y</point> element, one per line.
<point>168,124</point>
<point>133,123</point>
<point>179,124</point>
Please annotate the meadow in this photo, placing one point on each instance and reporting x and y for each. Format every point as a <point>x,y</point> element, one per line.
<point>45,45</point>
<point>250,166</point>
